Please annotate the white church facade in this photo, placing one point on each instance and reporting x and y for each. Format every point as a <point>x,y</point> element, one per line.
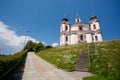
<point>80,32</point>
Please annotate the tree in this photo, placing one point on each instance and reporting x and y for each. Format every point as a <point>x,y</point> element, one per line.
<point>29,46</point>
<point>38,47</point>
<point>47,47</point>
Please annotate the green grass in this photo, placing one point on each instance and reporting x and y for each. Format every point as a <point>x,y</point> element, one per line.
<point>104,60</point>
<point>94,78</point>
<point>63,57</point>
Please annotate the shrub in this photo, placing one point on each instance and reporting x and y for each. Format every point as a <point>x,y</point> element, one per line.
<point>104,61</point>
<point>8,61</point>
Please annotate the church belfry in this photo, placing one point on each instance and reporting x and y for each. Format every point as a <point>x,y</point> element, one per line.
<point>77,20</point>
<point>94,23</point>
<point>64,29</point>
<point>95,28</point>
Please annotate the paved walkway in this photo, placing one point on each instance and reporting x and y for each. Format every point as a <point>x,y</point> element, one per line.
<point>38,69</point>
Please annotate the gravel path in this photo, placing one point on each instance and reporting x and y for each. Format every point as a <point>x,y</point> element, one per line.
<point>38,69</point>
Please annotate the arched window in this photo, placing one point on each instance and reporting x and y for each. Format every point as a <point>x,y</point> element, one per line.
<point>81,37</point>
<point>94,26</point>
<point>66,28</point>
<point>96,38</point>
<point>66,38</point>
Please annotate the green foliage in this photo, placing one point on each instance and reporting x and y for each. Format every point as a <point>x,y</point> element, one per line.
<point>6,62</point>
<point>63,57</point>
<point>38,47</point>
<point>47,47</point>
<point>94,78</point>
<point>105,60</point>
<point>29,46</point>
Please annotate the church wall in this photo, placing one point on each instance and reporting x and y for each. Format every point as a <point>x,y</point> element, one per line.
<point>74,28</point>
<point>74,39</point>
<point>63,40</point>
<point>97,26</point>
<point>60,40</point>
<point>88,38</point>
<point>99,37</point>
<point>68,27</point>
<point>69,40</point>
<point>63,27</point>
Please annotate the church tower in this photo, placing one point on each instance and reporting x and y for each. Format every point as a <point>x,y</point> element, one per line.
<point>95,28</point>
<point>64,32</point>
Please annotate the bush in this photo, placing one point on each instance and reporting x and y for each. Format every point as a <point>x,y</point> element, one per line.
<point>38,47</point>
<point>8,61</point>
<point>105,60</point>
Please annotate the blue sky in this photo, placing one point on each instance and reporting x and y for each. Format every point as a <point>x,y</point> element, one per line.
<point>42,17</point>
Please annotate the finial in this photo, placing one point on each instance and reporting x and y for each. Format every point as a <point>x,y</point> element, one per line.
<point>77,20</point>
<point>77,14</point>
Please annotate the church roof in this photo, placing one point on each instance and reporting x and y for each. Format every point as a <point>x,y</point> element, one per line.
<point>93,17</point>
<point>80,24</point>
<point>65,19</point>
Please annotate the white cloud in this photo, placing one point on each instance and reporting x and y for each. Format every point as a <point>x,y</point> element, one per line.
<point>55,44</point>
<point>10,42</point>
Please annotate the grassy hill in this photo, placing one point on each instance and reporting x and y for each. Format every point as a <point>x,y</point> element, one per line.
<point>63,57</point>
<point>104,60</point>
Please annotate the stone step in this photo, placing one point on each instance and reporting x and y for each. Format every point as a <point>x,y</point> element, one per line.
<point>82,62</point>
<point>82,69</point>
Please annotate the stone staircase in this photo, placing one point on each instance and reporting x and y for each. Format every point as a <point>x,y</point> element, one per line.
<point>82,63</point>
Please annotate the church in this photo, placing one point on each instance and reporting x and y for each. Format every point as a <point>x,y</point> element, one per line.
<point>80,32</point>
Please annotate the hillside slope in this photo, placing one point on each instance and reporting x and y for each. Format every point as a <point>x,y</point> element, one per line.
<point>63,57</point>
<point>103,61</point>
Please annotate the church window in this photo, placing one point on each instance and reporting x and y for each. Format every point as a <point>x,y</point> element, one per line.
<point>77,20</point>
<point>66,38</point>
<point>80,28</point>
<point>94,26</point>
<point>81,37</point>
<point>66,28</point>
<point>96,38</point>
